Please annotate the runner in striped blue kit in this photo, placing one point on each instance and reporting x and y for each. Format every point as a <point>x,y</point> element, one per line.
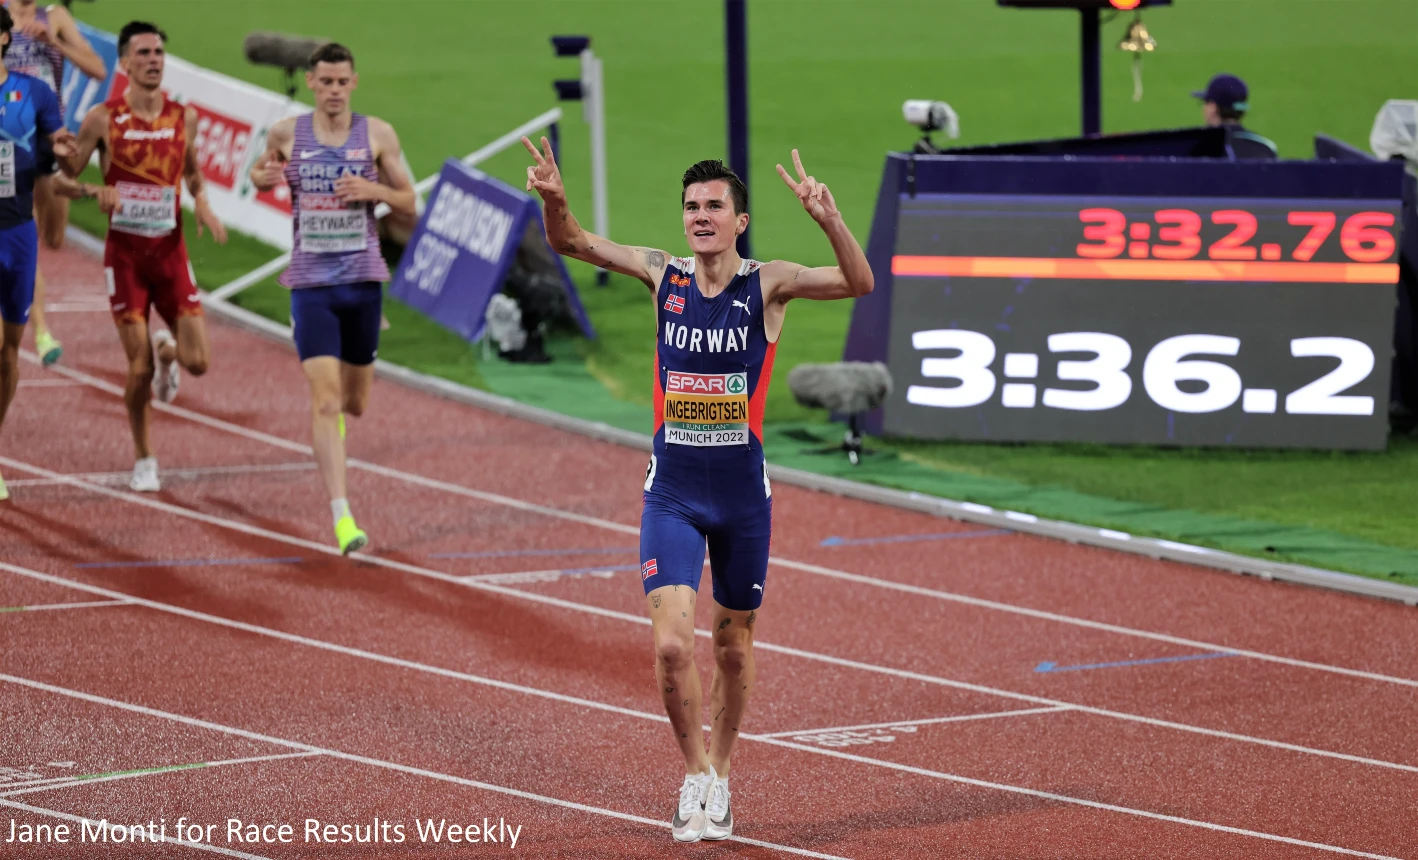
<point>339,164</point>
<point>718,321</point>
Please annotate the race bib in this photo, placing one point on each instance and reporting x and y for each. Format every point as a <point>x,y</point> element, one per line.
<point>706,410</point>
<point>7,169</point>
<point>328,226</point>
<point>145,210</point>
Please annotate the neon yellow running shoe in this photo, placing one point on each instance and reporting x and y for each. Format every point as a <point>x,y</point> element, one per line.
<point>349,536</point>
<point>342,425</point>
<point>48,348</point>
<point>4,491</point>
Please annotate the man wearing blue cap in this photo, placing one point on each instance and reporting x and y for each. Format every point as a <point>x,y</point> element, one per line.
<point>1224,104</point>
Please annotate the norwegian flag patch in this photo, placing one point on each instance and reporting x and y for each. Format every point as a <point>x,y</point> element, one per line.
<point>648,569</point>
<point>675,304</point>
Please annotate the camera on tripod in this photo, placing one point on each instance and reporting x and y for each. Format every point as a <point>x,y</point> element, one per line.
<point>930,116</point>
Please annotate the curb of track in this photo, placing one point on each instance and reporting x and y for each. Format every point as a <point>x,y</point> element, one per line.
<point>938,506</point>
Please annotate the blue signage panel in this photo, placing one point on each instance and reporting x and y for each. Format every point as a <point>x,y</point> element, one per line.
<point>464,246</point>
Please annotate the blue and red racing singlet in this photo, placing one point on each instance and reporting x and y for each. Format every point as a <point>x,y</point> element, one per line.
<point>713,363</point>
<point>707,485</point>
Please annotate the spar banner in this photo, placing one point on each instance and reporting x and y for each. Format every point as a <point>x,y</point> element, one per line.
<point>474,229</point>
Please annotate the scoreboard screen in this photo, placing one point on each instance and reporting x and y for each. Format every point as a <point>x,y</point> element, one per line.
<point>1133,299</point>
<point>1189,321</point>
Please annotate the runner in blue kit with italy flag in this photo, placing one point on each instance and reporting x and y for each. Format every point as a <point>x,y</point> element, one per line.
<point>718,321</point>
<point>43,38</point>
<point>29,117</point>
<point>338,164</point>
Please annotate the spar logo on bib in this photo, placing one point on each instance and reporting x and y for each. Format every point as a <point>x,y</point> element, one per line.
<point>707,383</point>
<point>706,409</point>
<point>145,210</point>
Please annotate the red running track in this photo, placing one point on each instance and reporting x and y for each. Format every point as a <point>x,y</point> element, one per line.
<point>204,654</point>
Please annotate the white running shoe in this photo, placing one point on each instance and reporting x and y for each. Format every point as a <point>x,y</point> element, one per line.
<point>145,476</point>
<point>718,817</point>
<point>169,373</point>
<point>688,824</point>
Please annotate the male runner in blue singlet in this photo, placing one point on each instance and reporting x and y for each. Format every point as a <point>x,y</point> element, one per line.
<point>719,317</point>
<point>42,39</point>
<point>29,119</point>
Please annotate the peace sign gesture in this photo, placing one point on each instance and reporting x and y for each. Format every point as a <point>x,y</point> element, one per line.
<point>545,177</point>
<point>814,196</point>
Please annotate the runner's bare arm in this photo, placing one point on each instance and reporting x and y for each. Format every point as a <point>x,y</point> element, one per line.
<point>269,169</point>
<point>73,45</point>
<point>400,193</point>
<point>91,136</point>
<point>852,275</point>
<point>567,237</point>
<point>196,184</point>
<point>73,189</point>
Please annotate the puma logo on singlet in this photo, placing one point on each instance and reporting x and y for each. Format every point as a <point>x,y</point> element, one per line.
<point>744,305</point>
<point>757,586</point>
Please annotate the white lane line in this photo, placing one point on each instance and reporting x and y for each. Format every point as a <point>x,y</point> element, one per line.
<point>49,383</point>
<point>864,760</point>
<point>802,567</point>
<point>530,577</point>
<point>1023,712</point>
<point>77,308</point>
<point>1063,798</point>
<point>41,607</point>
<point>72,781</point>
<point>102,824</point>
<point>379,763</point>
<point>121,478</point>
<point>234,525</point>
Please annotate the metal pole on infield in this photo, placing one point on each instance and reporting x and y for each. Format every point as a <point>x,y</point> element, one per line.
<point>1092,72</point>
<point>736,68</point>
<point>595,105</point>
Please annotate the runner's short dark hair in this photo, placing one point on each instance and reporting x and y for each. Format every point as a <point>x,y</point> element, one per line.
<point>7,24</point>
<point>137,28</point>
<point>331,52</point>
<point>711,170</point>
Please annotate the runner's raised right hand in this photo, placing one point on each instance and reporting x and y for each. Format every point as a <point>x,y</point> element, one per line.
<point>544,177</point>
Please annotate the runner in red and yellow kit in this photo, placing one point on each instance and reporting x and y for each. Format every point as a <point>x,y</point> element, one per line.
<point>146,145</point>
